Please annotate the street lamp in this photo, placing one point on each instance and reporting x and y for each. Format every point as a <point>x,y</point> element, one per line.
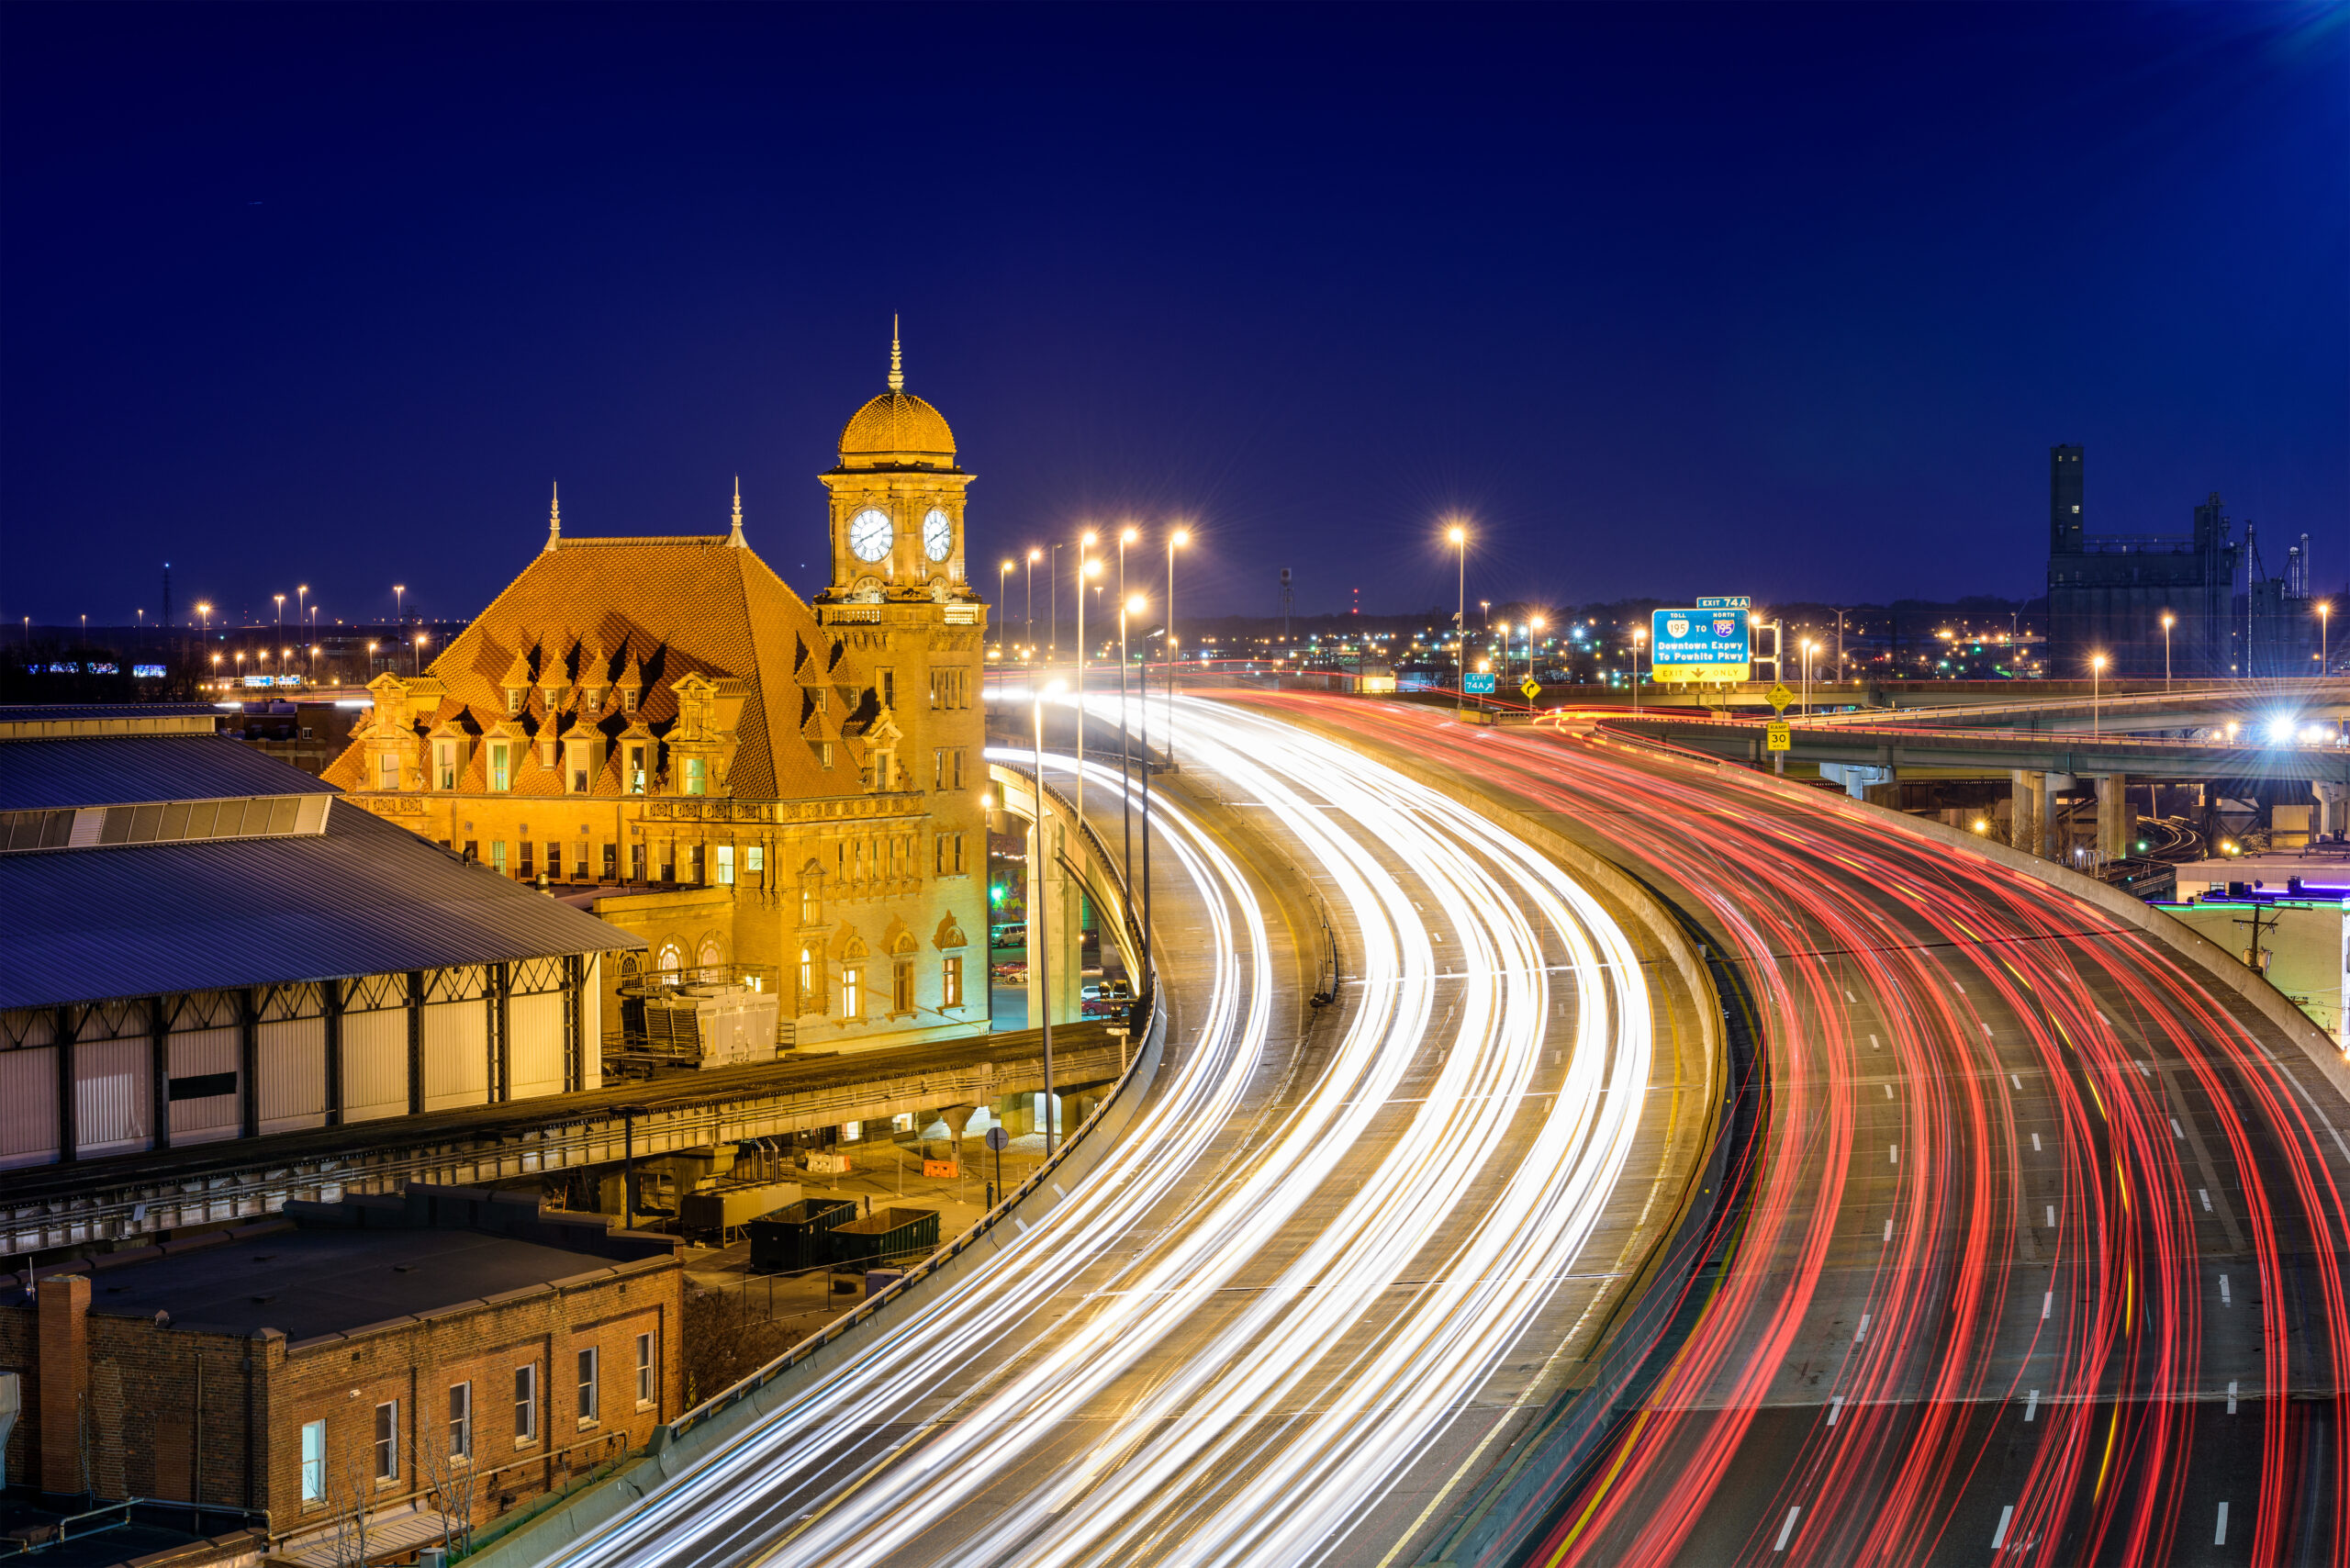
<point>1040,939</point>
<point>1132,606</point>
<point>2168,620</point>
<point>301,598</point>
<point>1175,541</point>
<point>1531,627</point>
<point>280,607</point>
<point>2324,648</point>
<point>1002,576</point>
<point>1034,555</point>
<point>420,639</point>
<point>1126,536</point>
<point>205,610</point>
<point>1086,566</point>
<point>1457,537</point>
<point>1639,636</point>
<point>399,602</point>
<point>2097,669</point>
<point>1808,647</point>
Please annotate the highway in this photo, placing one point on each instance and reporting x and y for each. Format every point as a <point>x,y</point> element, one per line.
<point>2039,1257</point>
<point>1337,1256</point>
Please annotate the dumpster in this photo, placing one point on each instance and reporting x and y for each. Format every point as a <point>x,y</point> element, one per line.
<point>884,1235</point>
<point>793,1237</point>
<point>722,1208</point>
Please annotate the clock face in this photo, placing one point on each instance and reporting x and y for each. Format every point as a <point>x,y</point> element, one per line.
<point>870,534</point>
<point>937,536</point>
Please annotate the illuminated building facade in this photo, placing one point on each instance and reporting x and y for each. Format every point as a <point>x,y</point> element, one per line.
<point>662,727</point>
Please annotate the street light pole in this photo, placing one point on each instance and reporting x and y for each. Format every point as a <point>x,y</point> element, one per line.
<point>1640,636</point>
<point>1175,540</point>
<point>2096,670</point>
<point>1459,538</point>
<point>1126,536</point>
<point>2324,647</point>
<point>1084,541</point>
<point>1002,576</point>
<point>400,604</point>
<point>2167,619</point>
<point>1033,554</point>
<point>1038,857</point>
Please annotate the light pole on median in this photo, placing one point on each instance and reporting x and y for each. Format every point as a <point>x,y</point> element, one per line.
<point>2097,669</point>
<point>2167,620</point>
<point>1039,857</point>
<point>1639,636</point>
<point>1086,567</point>
<point>1458,538</point>
<point>1034,555</point>
<point>1126,611</point>
<point>1175,541</point>
<point>1126,536</point>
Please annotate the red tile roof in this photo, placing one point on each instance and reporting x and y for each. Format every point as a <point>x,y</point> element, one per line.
<point>650,610</point>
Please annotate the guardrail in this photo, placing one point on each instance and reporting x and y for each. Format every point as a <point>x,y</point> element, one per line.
<point>63,1530</point>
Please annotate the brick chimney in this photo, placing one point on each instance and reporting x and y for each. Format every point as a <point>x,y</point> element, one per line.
<point>64,1315</point>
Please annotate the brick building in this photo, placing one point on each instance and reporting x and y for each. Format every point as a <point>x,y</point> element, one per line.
<point>445,1353</point>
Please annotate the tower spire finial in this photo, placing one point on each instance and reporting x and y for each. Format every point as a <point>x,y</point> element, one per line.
<point>897,360</point>
<point>735,539</point>
<point>554,517</point>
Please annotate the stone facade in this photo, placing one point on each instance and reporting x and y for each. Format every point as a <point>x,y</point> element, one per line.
<point>662,729</point>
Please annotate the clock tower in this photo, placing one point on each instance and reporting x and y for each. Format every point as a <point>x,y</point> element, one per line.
<point>901,599</point>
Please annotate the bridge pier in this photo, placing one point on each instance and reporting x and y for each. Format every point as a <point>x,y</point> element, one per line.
<point>2115,816</point>
<point>2333,805</point>
<point>1858,778</point>
<point>2028,824</point>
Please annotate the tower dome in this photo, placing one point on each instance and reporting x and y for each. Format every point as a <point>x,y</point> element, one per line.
<point>897,429</point>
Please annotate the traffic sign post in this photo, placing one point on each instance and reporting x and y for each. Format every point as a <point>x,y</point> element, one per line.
<point>1478,684</point>
<point>1779,696</point>
<point>1531,687</point>
<point>996,1138</point>
<point>1780,736</point>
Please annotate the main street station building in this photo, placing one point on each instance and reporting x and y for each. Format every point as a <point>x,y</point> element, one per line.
<point>793,793</point>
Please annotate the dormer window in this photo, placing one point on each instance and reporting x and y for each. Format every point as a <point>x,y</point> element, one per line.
<point>575,768</point>
<point>444,764</point>
<point>501,766</point>
<point>388,771</point>
<point>636,770</point>
<point>697,776</point>
<point>513,702</point>
<point>628,700</point>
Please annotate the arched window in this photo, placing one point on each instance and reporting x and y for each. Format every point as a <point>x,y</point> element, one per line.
<point>810,1001</point>
<point>673,958</point>
<point>712,955</point>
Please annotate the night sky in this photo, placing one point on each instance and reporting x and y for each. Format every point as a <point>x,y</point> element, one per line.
<point>1667,300</point>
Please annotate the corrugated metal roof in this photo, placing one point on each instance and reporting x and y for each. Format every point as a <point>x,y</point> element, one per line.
<point>30,712</point>
<point>365,897</point>
<point>122,771</point>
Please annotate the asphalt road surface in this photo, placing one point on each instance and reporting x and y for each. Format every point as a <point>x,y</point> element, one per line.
<point>1302,1306</point>
<point>2041,1258</point>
